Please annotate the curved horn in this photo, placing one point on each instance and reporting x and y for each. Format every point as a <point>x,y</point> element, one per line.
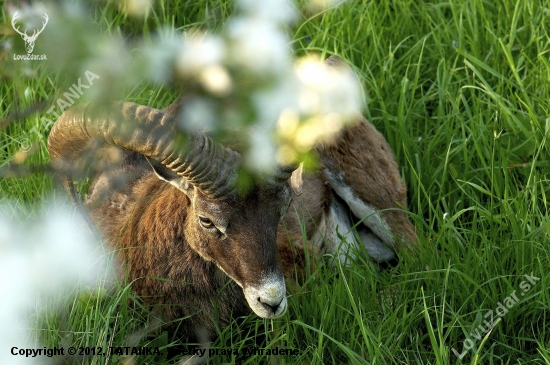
<point>150,132</point>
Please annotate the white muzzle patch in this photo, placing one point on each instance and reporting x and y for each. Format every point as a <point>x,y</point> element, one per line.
<point>268,300</point>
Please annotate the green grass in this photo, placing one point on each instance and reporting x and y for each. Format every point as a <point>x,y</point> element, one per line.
<point>460,91</point>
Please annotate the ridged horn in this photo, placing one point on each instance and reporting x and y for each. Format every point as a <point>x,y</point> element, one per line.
<point>195,157</point>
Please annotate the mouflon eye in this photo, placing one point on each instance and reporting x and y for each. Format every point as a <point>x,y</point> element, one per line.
<point>206,223</point>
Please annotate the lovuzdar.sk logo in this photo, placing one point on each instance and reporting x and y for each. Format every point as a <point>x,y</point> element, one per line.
<point>29,39</point>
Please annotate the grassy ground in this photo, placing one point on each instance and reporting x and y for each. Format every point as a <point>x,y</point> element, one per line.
<point>460,90</point>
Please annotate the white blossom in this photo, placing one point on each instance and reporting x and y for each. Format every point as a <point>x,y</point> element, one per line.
<point>325,98</point>
<point>216,80</point>
<point>278,11</point>
<point>262,153</point>
<point>199,52</point>
<point>198,115</point>
<point>159,55</point>
<point>271,102</point>
<point>259,47</point>
<point>327,89</point>
<point>40,257</point>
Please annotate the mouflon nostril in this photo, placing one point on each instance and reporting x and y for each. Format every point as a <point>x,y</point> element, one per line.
<point>271,307</point>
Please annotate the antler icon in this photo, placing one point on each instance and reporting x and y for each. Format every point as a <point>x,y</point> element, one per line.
<point>29,40</point>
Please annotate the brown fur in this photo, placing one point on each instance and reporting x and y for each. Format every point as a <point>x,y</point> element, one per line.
<point>176,266</point>
<point>148,231</point>
<point>148,222</point>
<point>367,164</point>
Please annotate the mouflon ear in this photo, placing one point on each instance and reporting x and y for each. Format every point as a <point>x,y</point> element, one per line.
<point>168,175</point>
<point>296,180</point>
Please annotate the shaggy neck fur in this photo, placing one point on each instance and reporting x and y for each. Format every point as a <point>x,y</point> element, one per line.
<point>186,284</point>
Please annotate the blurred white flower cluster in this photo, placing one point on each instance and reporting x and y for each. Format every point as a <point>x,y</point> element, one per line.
<point>293,104</point>
<point>242,78</point>
<point>41,258</point>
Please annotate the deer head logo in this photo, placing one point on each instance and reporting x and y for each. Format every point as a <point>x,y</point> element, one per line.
<point>29,40</point>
